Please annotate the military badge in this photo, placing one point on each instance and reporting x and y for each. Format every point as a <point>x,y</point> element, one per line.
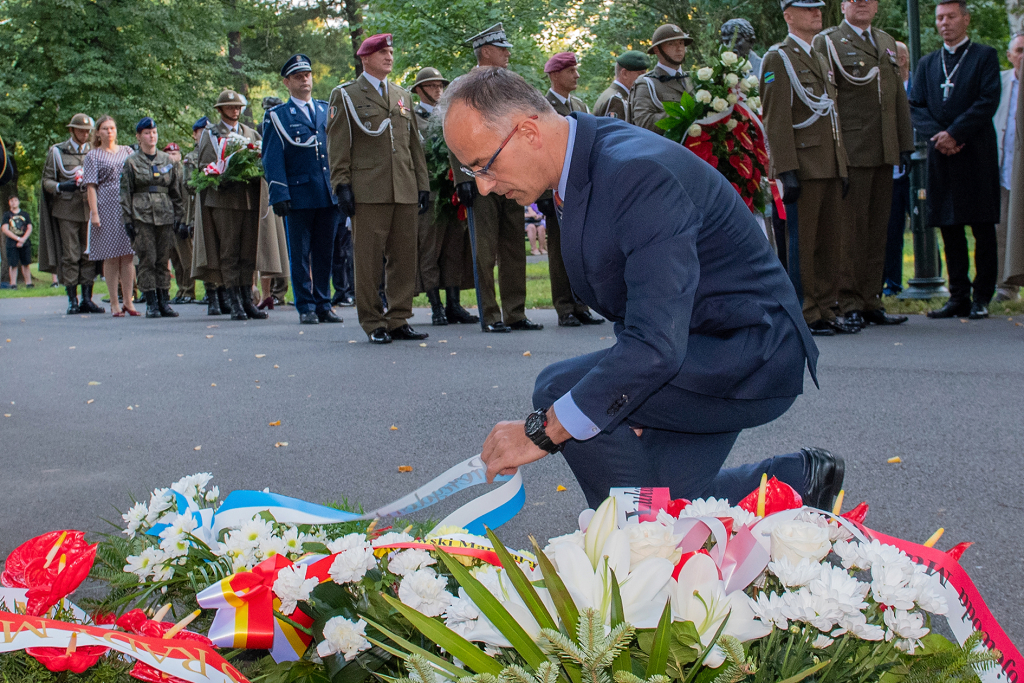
<point>401,104</point>
<point>769,76</point>
<point>332,112</point>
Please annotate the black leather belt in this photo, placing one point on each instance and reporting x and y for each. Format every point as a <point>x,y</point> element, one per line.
<point>157,189</point>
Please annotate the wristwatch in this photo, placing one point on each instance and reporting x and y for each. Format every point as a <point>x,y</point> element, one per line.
<point>536,422</point>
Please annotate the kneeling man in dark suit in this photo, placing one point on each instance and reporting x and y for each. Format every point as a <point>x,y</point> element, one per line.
<point>710,339</point>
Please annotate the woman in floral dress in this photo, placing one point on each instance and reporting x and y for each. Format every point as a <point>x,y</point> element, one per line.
<point>108,241</point>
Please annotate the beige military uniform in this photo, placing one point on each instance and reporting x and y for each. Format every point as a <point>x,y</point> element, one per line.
<point>650,90</point>
<point>613,102</point>
<point>374,145</point>
<point>429,237</point>
<point>809,143</point>
<point>69,211</point>
<point>181,255</point>
<point>151,201</point>
<point>876,127</point>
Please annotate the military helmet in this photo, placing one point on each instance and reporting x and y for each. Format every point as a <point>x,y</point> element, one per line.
<point>81,122</point>
<point>428,74</point>
<point>666,33</point>
<point>230,98</point>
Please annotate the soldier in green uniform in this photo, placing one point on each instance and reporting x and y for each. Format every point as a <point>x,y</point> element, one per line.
<point>664,83</point>
<point>807,154</point>
<point>428,86</point>
<point>499,222</point>
<point>151,204</point>
<point>562,70</point>
<point>230,213</point>
<point>215,297</point>
<point>614,101</point>
<point>181,254</point>
<point>877,135</point>
<point>379,174</point>
<point>64,216</point>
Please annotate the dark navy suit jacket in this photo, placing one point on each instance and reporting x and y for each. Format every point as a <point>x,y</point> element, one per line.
<point>658,242</point>
<point>295,156</point>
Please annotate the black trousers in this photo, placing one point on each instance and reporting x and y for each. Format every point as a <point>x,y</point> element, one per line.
<point>311,236</point>
<point>954,239</point>
<point>343,278</point>
<point>893,271</point>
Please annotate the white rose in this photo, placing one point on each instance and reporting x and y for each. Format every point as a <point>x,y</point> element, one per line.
<point>731,123</point>
<point>731,98</point>
<point>754,103</point>
<point>694,130</point>
<point>729,58</point>
<point>703,96</point>
<point>718,104</point>
<point>731,80</point>
<point>653,539</point>
<point>798,540</point>
<point>705,73</point>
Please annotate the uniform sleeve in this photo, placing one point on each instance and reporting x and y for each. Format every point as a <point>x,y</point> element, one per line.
<point>273,162</point>
<point>978,116</point>
<point>643,110</point>
<point>176,194</point>
<point>127,189</point>
<point>50,171</point>
<point>776,103</point>
<point>339,140</point>
<point>904,127</point>
<point>921,116</point>
<point>419,160</point>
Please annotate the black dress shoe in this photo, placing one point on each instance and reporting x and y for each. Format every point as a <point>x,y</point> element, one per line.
<point>823,477</point>
<point>328,316</point>
<point>497,327</point>
<point>855,319</point>
<point>380,336</point>
<point>821,328</point>
<point>840,327</point>
<point>879,317</point>
<point>978,311</point>
<point>407,333</point>
<point>952,309</point>
<point>309,318</point>
<point>569,320</point>
<point>587,318</point>
<point>525,324</point>
<point>339,300</point>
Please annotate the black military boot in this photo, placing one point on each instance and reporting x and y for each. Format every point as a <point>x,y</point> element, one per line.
<point>152,304</point>
<point>454,310</point>
<point>222,297</point>
<point>436,308</point>
<point>249,307</point>
<point>213,302</point>
<point>234,303</point>
<point>162,296</point>
<point>87,306</point>
<point>73,307</point>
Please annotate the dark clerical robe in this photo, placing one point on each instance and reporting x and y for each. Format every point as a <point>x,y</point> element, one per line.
<point>962,188</point>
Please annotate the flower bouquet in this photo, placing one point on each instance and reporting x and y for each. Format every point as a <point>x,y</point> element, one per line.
<point>442,181</point>
<point>719,123</point>
<point>238,161</point>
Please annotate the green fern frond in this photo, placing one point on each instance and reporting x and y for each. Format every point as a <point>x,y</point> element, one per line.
<point>556,642</point>
<point>954,663</point>
<point>420,670</point>
<point>479,678</point>
<point>516,674</point>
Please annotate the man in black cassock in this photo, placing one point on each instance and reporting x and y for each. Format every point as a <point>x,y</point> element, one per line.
<point>955,94</point>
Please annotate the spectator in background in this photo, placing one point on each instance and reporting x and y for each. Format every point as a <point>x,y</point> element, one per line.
<point>1005,122</point>
<point>17,228</point>
<point>892,276</point>
<point>535,231</point>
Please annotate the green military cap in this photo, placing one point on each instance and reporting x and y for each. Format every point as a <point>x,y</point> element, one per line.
<point>666,33</point>
<point>633,60</point>
<point>81,121</point>
<point>229,98</point>
<point>428,74</point>
<point>495,35</point>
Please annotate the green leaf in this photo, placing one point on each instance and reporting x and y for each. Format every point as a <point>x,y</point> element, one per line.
<point>703,655</point>
<point>806,672</point>
<point>315,547</point>
<point>491,608</point>
<point>621,662</point>
<point>451,641</point>
<point>564,605</point>
<point>683,647</point>
<point>439,661</point>
<point>659,651</point>
<point>522,584</point>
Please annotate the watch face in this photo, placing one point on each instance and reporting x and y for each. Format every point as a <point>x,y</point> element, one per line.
<point>534,424</point>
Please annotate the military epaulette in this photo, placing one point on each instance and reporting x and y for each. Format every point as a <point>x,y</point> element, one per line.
<point>275,107</point>
<point>776,47</point>
<point>830,29</point>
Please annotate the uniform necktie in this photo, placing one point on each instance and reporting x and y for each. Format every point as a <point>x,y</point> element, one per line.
<point>558,206</point>
<point>664,78</point>
<point>383,92</point>
<point>312,112</point>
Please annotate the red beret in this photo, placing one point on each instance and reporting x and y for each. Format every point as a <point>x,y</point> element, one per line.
<point>374,44</point>
<point>563,60</point>
<point>172,147</point>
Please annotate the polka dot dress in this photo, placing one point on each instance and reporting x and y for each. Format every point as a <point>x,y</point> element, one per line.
<point>103,169</point>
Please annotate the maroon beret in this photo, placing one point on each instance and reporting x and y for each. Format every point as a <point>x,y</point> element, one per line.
<point>563,60</point>
<point>374,44</point>
<point>172,147</point>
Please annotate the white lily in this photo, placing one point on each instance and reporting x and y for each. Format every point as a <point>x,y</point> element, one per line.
<point>699,596</point>
<point>479,628</point>
<point>602,525</point>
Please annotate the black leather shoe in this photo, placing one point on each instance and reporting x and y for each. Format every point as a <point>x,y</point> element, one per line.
<point>879,317</point>
<point>587,318</point>
<point>525,324</point>
<point>823,477</point>
<point>309,318</point>
<point>855,319</point>
<point>821,328</point>
<point>458,315</point>
<point>952,309</point>
<point>245,297</point>
<point>978,311</point>
<point>179,298</point>
<point>437,316</point>
<point>328,316</point>
<point>497,327</point>
<point>407,333</point>
<point>347,301</point>
<point>380,336</point>
<point>840,327</point>
<point>569,320</point>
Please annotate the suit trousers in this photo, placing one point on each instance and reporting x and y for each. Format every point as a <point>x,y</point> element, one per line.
<point>1008,291</point>
<point>817,226</point>
<point>562,298</point>
<point>897,227</point>
<point>181,260</point>
<point>153,245</point>
<point>311,234</point>
<point>500,226</point>
<point>954,240</point>
<point>76,268</point>
<point>428,249</point>
<point>384,232</point>
<point>863,227</point>
<point>685,440</point>
<point>455,257</point>
<point>342,274</point>
<point>236,232</point>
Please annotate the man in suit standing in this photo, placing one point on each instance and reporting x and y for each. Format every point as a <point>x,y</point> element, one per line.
<point>806,151</point>
<point>614,101</point>
<point>1005,123</point>
<point>952,102</point>
<point>892,275</point>
<point>664,83</point>
<point>709,335</point>
<point>380,178</point>
<point>299,180</point>
<point>877,135</point>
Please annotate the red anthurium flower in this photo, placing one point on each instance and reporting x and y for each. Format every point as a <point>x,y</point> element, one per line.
<point>762,155</point>
<point>751,185</point>
<point>757,176</point>
<point>743,164</point>
<point>684,559</point>
<point>749,201</point>
<point>676,506</point>
<point>779,496</point>
<point>857,514</point>
<point>701,149</point>
<point>58,659</point>
<point>730,144</point>
<point>462,214</point>
<point>737,188</point>
<point>50,566</point>
<point>957,551</point>
<point>744,136</point>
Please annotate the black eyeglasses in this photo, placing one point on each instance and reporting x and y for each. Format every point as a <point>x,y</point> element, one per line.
<point>485,172</point>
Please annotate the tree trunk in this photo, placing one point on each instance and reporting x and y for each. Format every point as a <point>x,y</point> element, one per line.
<point>355,23</point>
<point>234,61</point>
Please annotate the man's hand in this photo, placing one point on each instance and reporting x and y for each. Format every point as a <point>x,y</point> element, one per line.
<point>283,208</point>
<point>790,187</point>
<point>945,144</point>
<point>508,447</point>
<point>905,159</point>
<point>424,201</point>
<point>466,192</point>
<point>346,200</point>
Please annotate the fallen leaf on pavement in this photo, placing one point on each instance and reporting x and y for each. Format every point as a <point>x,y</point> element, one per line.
<point>90,401</point>
<point>527,354</point>
<point>210,327</point>
<point>209,336</point>
<point>963,320</point>
<point>180,355</point>
<point>894,461</point>
<point>561,488</point>
<point>7,414</point>
<point>129,407</point>
<point>277,367</point>
<point>280,443</point>
<point>94,384</point>
<point>405,468</point>
<point>261,355</point>
<point>423,345</point>
<point>276,423</point>
<point>394,428</point>
<point>213,385</point>
<point>197,448</point>
<point>452,353</point>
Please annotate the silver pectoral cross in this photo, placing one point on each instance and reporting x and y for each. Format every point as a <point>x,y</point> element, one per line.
<point>946,87</point>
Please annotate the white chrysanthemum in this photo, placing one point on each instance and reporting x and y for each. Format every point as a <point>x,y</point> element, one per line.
<point>795,576</point>
<point>863,631</point>
<point>344,636</point>
<point>391,538</point>
<point>159,502</point>
<point>705,73</point>
<point>461,616</point>
<point>348,542</point>
<point>926,596</point>
<point>907,627</point>
<point>719,105</point>
<point>890,586</point>
<point>770,609</point>
<point>425,591</point>
<point>142,564</point>
<point>255,530</point>
<point>134,518</point>
<point>213,494</point>
<point>192,486</point>
<point>293,540</point>
<point>821,642</point>
<point>272,545</point>
<point>163,571</point>
<point>489,576</point>
<point>175,546</point>
<point>703,96</point>
<point>352,564</point>
<point>802,606</point>
<point>292,587</point>
<point>179,526</point>
<point>706,507</point>
<point>839,590</point>
<point>407,561</point>
<point>244,560</point>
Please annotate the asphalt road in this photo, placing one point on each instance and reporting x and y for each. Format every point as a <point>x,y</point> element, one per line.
<point>945,396</point>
